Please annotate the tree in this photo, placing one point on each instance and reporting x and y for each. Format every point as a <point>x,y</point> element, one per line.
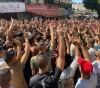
<point>92,4</point>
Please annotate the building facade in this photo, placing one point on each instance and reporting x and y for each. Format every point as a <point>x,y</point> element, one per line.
<point>39,1</point>
<point>12,0</point>
<point>64,1</point>
<point>11,8</point>
<point>78,7</point>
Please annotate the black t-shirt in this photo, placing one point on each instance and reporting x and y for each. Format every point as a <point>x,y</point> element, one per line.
<point>46,80</point>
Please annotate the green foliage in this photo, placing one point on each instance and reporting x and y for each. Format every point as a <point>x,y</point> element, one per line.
<point>99,1</point>
<point>92,4</point>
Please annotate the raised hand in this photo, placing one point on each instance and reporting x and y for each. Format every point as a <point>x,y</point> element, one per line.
<point>75,42</point>
<point>60,33</point>
<point>18,43</point>
<point>26,35</point>
<point>12,20</point>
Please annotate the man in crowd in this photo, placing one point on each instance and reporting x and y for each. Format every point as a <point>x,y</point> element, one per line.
<point>16,64</point>
<point>45,37</point>
<point>96,67</point>
<point>44,79</point>
<point>88,78</point>
<point>91,50</point>
<point>42,49</point>
<point>5,78</point>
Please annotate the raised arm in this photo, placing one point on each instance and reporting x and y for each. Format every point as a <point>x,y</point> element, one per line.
<point>27,49</point>
<point>11,25</point>
<point>92,33</point>
<point>61,58</point>
<point>84,51</point>
<point>68,47</point>
<point>38,29</point>
<point>77,53</point>
<point>52,35</point>
<point>76,48</point>
<point>67,44</point>
<point>74,65</point>
<point>19,52</point>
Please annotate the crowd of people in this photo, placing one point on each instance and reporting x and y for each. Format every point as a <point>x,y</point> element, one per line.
<point>50,53</point>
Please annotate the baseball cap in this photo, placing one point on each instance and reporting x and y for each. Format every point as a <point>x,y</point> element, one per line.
<point>86,66</point>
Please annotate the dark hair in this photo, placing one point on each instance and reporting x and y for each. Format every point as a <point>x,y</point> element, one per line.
<point>91,41</point>
<point>5,76</point>
<point>20,34</point>
<point>42,60</point>
<point>31,39</point>
<point>9,56</point>
<point>48,36</point>
<point>68,60</point>
<point>34,30</point>
<point>38,38</point>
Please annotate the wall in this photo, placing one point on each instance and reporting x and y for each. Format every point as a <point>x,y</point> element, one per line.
<point>24,15</point>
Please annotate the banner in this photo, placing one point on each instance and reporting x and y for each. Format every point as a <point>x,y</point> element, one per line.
<point>10,7</point>
<point>43,10</point>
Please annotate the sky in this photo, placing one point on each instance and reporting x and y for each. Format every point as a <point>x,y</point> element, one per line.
<point>77,1</point>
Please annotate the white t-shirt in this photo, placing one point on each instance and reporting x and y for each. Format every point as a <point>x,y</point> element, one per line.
<point>96,69</point>
<point>91,83</point>
<point>2,62</point>
<point>92,54</point>
<point>70,71</point>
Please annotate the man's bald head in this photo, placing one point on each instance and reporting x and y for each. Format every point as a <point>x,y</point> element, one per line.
<point>42,60</point>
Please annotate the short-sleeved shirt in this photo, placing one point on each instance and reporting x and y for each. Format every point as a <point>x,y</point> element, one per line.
<point>17,77</point>
<point>96,69</point>
<point>91,83</point>
<point>33,62</point>
<point>46,80</point>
